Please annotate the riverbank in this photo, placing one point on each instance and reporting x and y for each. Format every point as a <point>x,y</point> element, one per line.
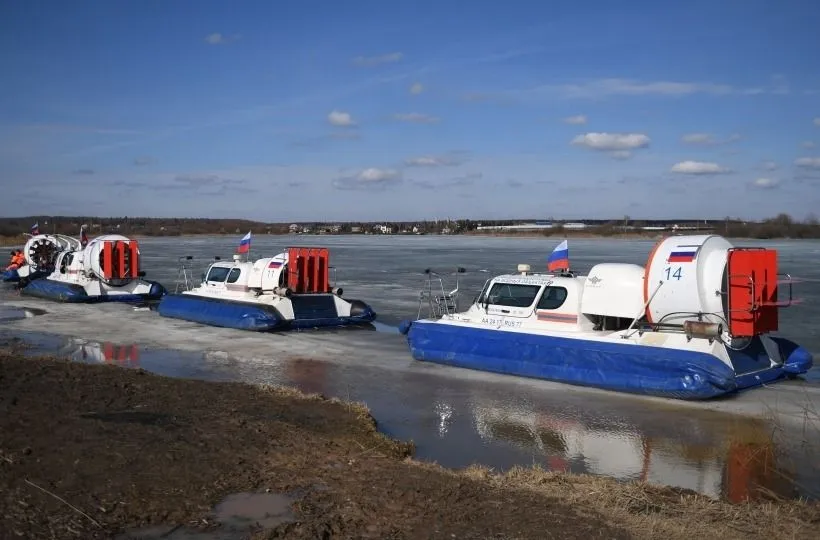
<point>88,451</point>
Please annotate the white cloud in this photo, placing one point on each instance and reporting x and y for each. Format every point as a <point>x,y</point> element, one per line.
<point>374,174</point>
<point>416,118</point>
<point>217,38</point>
<point>808,162</point>
<point>698,167</point>
<point>808,144</point>
<point>340,119</point>
<point>765,183</point>
<point>372,178</point>
<point>433,161</point>
<point>698,138</point>
<point>369,61</point>
<point>628,87</point>
<point>610,142</point>
<point>577,120</point>
<point>817,121</point>
<point>602,88</point>
<point>769,165</point>
<point>417,89</point>
<point>708,139</point>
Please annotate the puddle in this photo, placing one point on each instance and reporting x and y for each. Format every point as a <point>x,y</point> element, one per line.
<point>236,516</point>
<point>242,510</point>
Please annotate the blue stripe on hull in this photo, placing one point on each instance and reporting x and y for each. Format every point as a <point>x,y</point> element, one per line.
<point>249,316</point>
<point>71,293</point>
<point>612,366</point>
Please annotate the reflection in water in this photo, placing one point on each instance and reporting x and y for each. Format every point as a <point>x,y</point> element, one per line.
<point>309,375</point>
<point>445,413</point>
<point>460,422</point>
<point>739,465</point>
<point>107,352</point>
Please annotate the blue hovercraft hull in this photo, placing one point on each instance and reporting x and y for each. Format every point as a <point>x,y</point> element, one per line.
<point>258,317</point>
<point>621,367</point>
<point>71,293</point>
<point>12,276</point>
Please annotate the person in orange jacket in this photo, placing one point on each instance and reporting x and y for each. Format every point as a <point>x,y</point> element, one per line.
<point>17,260</point>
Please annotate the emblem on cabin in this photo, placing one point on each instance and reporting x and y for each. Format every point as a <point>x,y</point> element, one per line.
<point>594,280</point>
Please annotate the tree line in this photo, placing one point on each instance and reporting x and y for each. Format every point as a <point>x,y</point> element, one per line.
<point>780,226</point>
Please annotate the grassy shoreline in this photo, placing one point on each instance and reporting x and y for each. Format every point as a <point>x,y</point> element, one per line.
<point>128,448</point>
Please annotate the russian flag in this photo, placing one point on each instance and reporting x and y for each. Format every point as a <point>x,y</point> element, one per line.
<point>244,244</point>
<point>35,229</point>
<point>682,255</point>
<point>275,264</point>
<point>83,237</point>
<point>559,258</point>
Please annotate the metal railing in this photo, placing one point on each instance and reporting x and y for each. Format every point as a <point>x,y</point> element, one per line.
<point>439,302</point>
<point>184,274</point>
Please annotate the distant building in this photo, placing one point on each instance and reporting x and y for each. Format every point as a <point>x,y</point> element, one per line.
<point>538,226</point>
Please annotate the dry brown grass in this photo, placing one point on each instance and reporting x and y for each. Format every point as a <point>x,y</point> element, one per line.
<point>641,509</point>
<point>649,511</point>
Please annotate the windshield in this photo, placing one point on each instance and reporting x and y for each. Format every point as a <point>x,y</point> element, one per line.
<point>513,295</point>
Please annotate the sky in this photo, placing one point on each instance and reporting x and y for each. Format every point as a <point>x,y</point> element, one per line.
<point>410,110</point>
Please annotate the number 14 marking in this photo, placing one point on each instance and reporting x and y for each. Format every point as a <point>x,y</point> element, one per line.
<point>676,274</point>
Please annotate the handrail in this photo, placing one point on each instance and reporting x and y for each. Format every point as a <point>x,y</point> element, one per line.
<point>625,335</point>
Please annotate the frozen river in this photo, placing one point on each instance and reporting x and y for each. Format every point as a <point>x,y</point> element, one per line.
<point>457,417</point>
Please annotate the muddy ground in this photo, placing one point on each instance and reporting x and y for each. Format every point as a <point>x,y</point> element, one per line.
<point>90,451</point>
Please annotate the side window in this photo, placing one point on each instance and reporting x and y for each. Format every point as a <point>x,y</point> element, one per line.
<point>512,295</point>
<point>552,298</point>
<point>233,275</point>
<point>218,274</point>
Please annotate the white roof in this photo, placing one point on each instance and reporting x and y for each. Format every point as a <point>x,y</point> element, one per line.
<point>533,279</point>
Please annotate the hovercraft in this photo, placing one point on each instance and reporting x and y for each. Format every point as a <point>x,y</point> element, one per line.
<point>289,291</point>
<point>40,252</point>
<point>696,322</point>
<point>106,270</point>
